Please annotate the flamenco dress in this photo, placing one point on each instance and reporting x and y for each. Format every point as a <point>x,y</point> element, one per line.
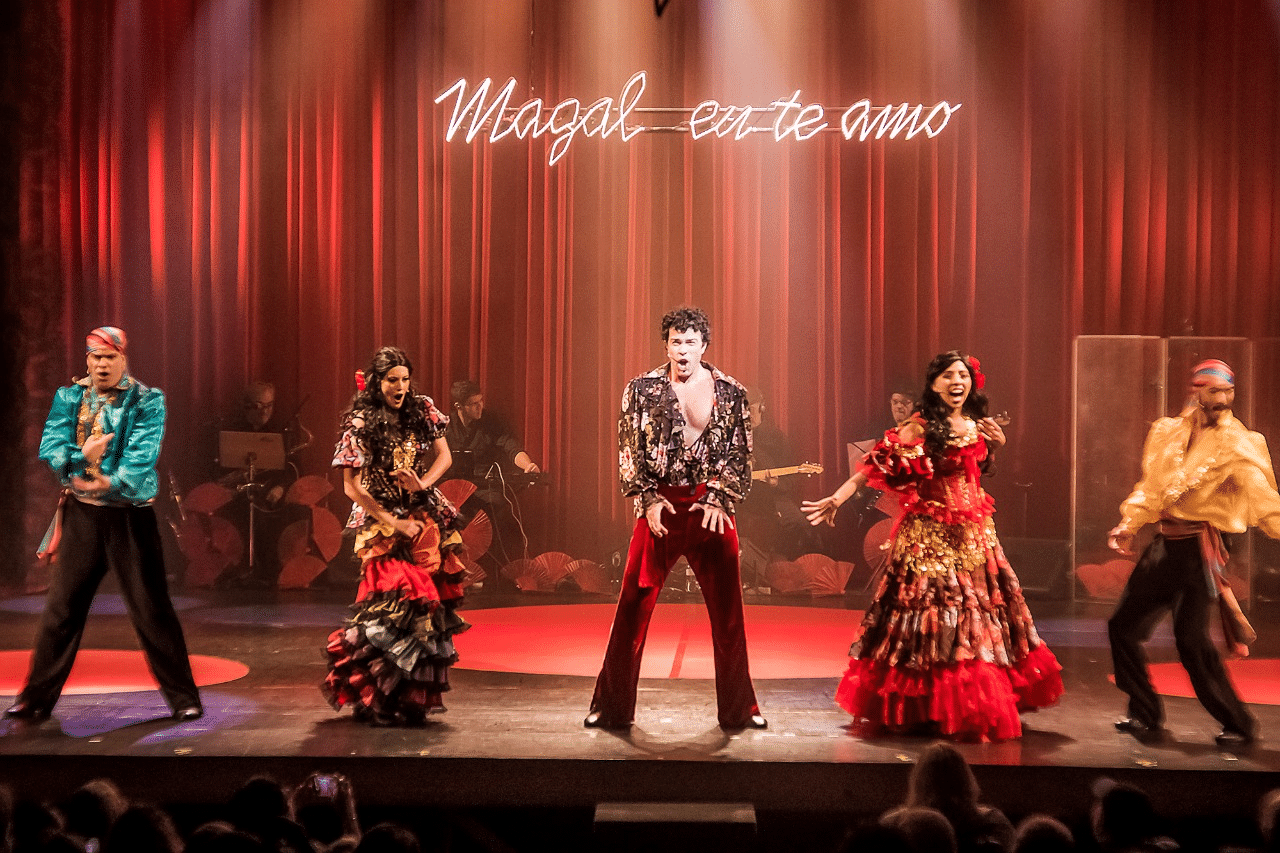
<point>390,661</point>
<point>947,646</point>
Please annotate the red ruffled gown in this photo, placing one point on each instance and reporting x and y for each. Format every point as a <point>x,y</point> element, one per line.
<point>391,659</point>
<point>948,646</point>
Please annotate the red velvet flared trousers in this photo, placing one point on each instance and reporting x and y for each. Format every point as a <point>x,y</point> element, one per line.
<point>714,560</point>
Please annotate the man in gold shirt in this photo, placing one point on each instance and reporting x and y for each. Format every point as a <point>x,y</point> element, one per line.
<point>1203,474</point>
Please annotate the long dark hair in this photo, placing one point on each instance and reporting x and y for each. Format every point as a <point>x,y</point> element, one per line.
<point>937,429</point>
<point>382,424</point>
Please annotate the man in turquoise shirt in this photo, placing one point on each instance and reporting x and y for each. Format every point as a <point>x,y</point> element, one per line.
<point>102,440</point>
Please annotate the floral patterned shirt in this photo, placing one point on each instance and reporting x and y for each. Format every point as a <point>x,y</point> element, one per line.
<point>651,448</point>
<point>413,452</point>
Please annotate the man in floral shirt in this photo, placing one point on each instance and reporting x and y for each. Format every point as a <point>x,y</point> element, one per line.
<point>684,454</point>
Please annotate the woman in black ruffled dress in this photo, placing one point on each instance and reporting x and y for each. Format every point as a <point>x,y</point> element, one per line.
<point>391,660</point>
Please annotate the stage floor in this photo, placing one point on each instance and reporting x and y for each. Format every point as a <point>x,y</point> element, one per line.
<point>513,734</point>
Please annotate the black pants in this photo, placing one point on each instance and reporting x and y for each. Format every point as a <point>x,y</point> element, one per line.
<point>1171,576</point>
<point>96,539</point>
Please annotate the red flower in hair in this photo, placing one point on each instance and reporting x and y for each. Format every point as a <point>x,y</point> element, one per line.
<point>978,378</point>
<point>360,379</point>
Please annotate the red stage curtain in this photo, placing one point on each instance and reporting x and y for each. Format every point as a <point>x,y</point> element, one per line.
<point>264,190</point>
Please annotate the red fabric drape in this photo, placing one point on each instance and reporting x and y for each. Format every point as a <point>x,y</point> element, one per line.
<point>264,190</point>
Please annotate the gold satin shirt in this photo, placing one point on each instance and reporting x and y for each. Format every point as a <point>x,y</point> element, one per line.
<point>1225,480</point>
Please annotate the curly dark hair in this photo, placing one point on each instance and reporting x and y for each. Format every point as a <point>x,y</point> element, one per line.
<point>383,426</point>
<point>937,429</point>
<point>684,318</point>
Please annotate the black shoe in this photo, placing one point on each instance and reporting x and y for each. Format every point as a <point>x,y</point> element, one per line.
<point>596,720</point>
<point>1232,739</point>
<point>1136,727</point>
<point>24,709</point>
<point>187,713</point>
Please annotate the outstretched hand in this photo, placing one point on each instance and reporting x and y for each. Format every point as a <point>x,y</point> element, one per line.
<point>653,515</point>
<point>820,511</point>
<point>714,518</point>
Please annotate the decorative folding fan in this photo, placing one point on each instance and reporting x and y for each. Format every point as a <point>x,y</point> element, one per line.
<point>210,544</point>
<point>1106,580</point>
<point>294,542</point>
<point>555,565</point>
<point>207,498</point>
<point>785,577</point>
<point>299,572</point>
<point>478,535</point>
<point>474,574</point>
<point>590,577</point>
<point>534,578</point>
<point>308,490</point>
<point>823,575</point>
<point>873,550</point>
<point>457,491</point>
<point>326,532</point>
<point>516,568</point>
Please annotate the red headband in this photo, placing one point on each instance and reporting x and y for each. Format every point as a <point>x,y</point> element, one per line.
<point>106,337</point>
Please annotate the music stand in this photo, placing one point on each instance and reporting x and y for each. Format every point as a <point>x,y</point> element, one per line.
<point>255,451</point>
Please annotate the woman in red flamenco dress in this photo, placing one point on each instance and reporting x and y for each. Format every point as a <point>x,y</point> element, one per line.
<point>947,646</point>
<point>391,659</point>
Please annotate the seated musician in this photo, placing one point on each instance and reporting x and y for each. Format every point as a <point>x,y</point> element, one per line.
<point>770,515</point>
<point>266,490</point>
<point>488,454</point>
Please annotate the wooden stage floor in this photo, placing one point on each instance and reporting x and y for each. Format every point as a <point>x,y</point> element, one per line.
<point>515,739</point>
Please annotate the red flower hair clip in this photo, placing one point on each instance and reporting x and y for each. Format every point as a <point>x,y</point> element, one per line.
<point>978,378</point>
<point>360,379</point>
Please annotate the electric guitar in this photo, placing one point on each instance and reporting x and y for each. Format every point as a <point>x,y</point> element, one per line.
<point>806,468</point>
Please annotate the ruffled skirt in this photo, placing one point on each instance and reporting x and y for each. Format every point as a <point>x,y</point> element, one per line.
<point>390,661</point>
<point>948,646</point>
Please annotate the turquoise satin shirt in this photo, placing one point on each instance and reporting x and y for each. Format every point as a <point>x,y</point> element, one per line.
<point>136,416</point>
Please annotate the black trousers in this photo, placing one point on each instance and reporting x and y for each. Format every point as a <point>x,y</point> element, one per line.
<point>1170,576</point>
<point>96,539</point>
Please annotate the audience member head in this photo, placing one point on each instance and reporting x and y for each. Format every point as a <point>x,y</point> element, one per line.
<point>874,837</point>
<point>1269,820</point>
<point>943,780</point>
<point>93,808</point>
<point>388,838</point>
<point>6,817</point>
<point>1041,833</point>
<point>221,837</point>
<point>927,830</point>
<point>1122,815</point>
<point>257,805</point>
<point>142,829</point>
<point>34,824</point>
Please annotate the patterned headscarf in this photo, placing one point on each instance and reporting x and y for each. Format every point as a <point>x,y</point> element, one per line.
<point>106,337</point>
<point>1210,371</point>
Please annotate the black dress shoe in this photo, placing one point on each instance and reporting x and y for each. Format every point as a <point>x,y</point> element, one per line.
<point>1136,727</point>
<point>24,710</point>
<point>187,713</point>
<point>596,720</point>
<point>1229,739</point>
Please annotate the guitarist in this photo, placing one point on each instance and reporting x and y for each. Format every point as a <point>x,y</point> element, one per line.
<point>770,517</point>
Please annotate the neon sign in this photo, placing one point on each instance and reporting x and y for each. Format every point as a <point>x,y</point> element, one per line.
<point>784,118</point>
